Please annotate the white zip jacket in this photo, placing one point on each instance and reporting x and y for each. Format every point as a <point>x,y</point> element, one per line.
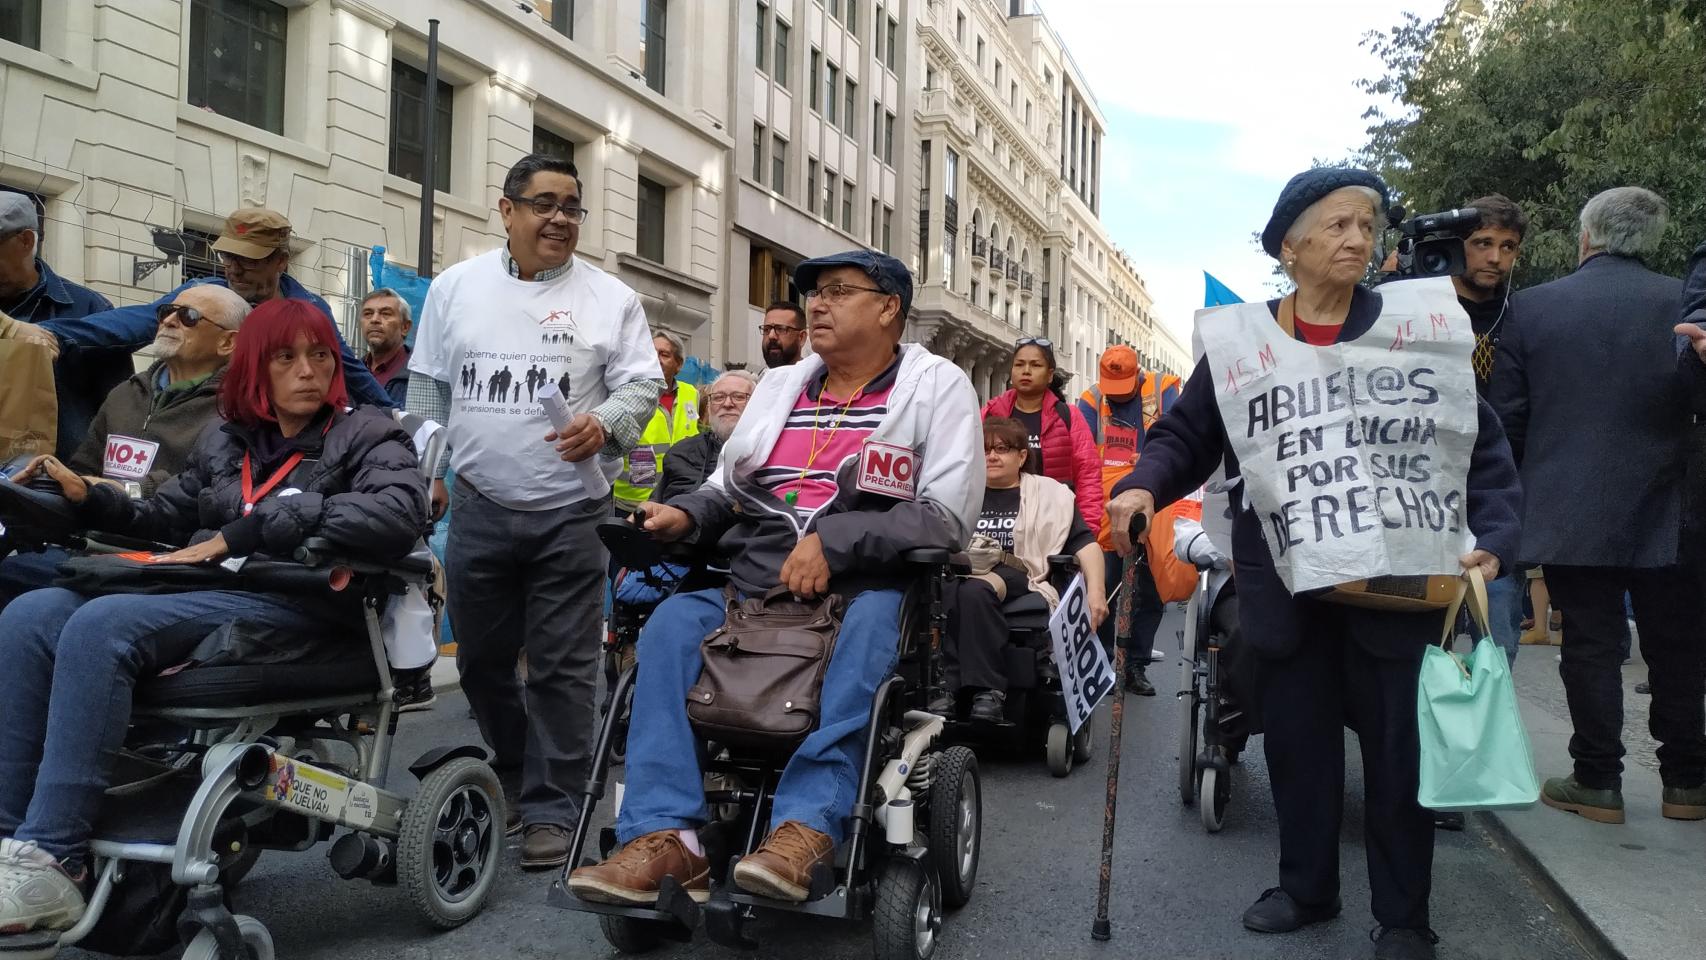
<point>932,411</point>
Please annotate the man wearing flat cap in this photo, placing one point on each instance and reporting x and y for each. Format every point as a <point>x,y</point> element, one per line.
<point>1296,367</point>
<point>843,461</point>
<point>42,302</point>
<point>254,250</point>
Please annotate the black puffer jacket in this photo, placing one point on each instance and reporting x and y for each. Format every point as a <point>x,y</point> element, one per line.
<point>358,485</point>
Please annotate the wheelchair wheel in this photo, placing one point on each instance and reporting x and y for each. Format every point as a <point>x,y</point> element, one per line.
<point>1216,791</point>
<point>956,823</point>
<point>1059,749</point>
<point>1188,746</point>
<point>908,912</point>
<point>630,935</point>
<point>450,842</point>
<point>1083,743</point>
<point>257,942</point>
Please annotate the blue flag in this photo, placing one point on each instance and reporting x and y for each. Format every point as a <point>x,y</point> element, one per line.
<point>1216,294</point>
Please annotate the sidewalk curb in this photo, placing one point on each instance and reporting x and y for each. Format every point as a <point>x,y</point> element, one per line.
<point>1576,918</point>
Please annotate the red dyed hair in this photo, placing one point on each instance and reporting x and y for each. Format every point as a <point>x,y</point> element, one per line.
<point>245,395</point>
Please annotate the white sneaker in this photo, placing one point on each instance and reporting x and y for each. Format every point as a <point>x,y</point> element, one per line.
<point>35,894</point>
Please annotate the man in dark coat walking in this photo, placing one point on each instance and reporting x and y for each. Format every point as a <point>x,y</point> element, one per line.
<point>1597,415</point>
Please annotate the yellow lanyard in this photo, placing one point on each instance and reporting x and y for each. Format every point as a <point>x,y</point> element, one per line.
<point>793,496</point>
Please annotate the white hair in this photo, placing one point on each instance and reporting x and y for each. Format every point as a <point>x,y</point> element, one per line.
<point>1305,221</point>
<point>232,307</point>
<point>747,375</point>
<point>1625,221</point>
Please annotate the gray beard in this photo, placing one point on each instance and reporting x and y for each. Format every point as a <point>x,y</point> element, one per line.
<point>167,349</point>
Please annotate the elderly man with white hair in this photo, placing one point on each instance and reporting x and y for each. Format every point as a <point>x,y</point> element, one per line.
<point>690,462</point>
<point>141,436</point>
<point>1598,417</point>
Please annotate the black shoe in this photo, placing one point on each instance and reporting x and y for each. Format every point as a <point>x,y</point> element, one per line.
<point>1403,943</point>
<point>1448,820</point>
<point>1645,688</point>
<point>414,689</point>
<point>1276,912</point>
<point>989,706</point>
<point>1136,681</point>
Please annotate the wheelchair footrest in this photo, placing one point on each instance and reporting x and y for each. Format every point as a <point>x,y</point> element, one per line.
<point>725,923</point>
<point>675,912</point>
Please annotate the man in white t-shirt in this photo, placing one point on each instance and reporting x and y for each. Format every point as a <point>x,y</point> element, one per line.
<point>525,568</point>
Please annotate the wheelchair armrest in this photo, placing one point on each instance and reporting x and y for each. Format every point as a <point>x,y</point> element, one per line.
<point>927,556</point>
<point>320,552</point>
<point>1062,563</point>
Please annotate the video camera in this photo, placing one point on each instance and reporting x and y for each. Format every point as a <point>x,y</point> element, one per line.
<point>1431,244</point>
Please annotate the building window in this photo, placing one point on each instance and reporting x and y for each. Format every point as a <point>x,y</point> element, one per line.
<point>888,139</point>
<point>1027,114</point>
<point>648,221</point>
<point>560,14</point>
<point>847,206</point>
<point>811,186</point>
<point>829,194</point>
<point>763,18</point>
<point>654,40</point>
<point>959,28</point>
<point>888,229</point>
<point>930,80</point>
<point>948,239</point>
<point>20,22</point>
<point>980,53</point>
<point>888,49</point>
<point>758,153</point>
<point>779,61</point>
<point>850,116</point>
<point>976,293</point>
<point>876,126</point>
<point>852,20</point>
<point>408,126</point>
<point>831,92</point>
<point>834,8</point>
<point>779,165</point>
<point>236,63</point>
<point>998,75</point>
<point>875,221</point>
<point>549,144</point>
<point>812,79</point>
<point>950,173</point>
<point>1013,96</point>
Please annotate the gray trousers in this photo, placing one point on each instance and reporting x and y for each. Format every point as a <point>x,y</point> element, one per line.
<point>531,581</point>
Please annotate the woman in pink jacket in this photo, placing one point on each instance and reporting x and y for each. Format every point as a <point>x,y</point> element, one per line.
<point>1061,445</point>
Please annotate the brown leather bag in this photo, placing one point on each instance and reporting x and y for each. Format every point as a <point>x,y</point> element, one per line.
<point>762,680</point>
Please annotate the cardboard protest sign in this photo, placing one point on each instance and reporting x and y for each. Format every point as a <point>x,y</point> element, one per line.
<point>1085,674</point>
<point>1355,456</point>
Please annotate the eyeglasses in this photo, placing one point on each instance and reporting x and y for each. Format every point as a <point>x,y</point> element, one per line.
<point>188,316</point>
<point>837,292</point>
<point>545,208</point>
<point>766,329</point>
<point>1043,342</point>
<point>247,263</point>
<point>731,399</point>
<point>1000,448</point>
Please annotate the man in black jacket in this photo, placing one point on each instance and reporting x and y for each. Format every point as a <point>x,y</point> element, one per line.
<point>1587,386</point>
<point>690,462</point>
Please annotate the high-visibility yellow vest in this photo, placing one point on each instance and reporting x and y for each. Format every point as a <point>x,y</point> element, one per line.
<point>642,467</point>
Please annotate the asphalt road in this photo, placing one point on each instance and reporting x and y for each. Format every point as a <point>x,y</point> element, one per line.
<point>1177,893</point>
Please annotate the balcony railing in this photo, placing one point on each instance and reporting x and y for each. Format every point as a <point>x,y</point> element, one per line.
<point>1026,280</point>
<point>980,248</point>
<point>998,261</point>
<point>1012,273</point>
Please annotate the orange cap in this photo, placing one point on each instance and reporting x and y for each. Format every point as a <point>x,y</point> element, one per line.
<point>1119,371</point>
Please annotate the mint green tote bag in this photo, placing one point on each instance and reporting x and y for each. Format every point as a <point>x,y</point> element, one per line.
<point>1475,753</point>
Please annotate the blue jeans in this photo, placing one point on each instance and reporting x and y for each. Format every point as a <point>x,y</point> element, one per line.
<point>1504,598</point>
<point>70,663</point>
<point>23,572</point>
<point>665,786</point>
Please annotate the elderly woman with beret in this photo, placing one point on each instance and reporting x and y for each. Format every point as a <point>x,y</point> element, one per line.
<point>1326,664</point>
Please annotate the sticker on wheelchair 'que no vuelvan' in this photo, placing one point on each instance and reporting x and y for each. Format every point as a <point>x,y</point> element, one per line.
<point>320,794</point>
<point>1085,674</point>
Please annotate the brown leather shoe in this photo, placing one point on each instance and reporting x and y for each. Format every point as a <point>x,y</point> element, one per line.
<point>781,867</point>
<point>544,845</point>
<point>632,875</point>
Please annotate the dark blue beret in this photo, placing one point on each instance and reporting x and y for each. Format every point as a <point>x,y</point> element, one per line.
<point>889,274</point>
<point>1306,188</point>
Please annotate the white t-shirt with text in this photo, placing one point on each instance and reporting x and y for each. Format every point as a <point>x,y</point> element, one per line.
<point>497,339</point>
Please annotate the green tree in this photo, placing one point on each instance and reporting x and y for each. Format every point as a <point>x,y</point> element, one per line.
<point>1555,101</point>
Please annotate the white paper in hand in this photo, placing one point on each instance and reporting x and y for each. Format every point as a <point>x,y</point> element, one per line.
<point>592,477</point>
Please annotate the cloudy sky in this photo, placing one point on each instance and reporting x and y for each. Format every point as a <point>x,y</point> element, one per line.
<point>1211,106</point>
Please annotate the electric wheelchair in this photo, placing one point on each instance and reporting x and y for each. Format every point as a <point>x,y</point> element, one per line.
<point>225,761</point>
<point>914,834</point>
<point>1035,710</point>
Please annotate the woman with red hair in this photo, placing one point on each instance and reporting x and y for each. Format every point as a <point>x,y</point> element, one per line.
<point>289,463</point>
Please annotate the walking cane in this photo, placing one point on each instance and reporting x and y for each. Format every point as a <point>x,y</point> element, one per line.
<point>1100,929</point>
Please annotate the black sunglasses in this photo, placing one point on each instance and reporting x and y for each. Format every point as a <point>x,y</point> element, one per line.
<point>188,316</point>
